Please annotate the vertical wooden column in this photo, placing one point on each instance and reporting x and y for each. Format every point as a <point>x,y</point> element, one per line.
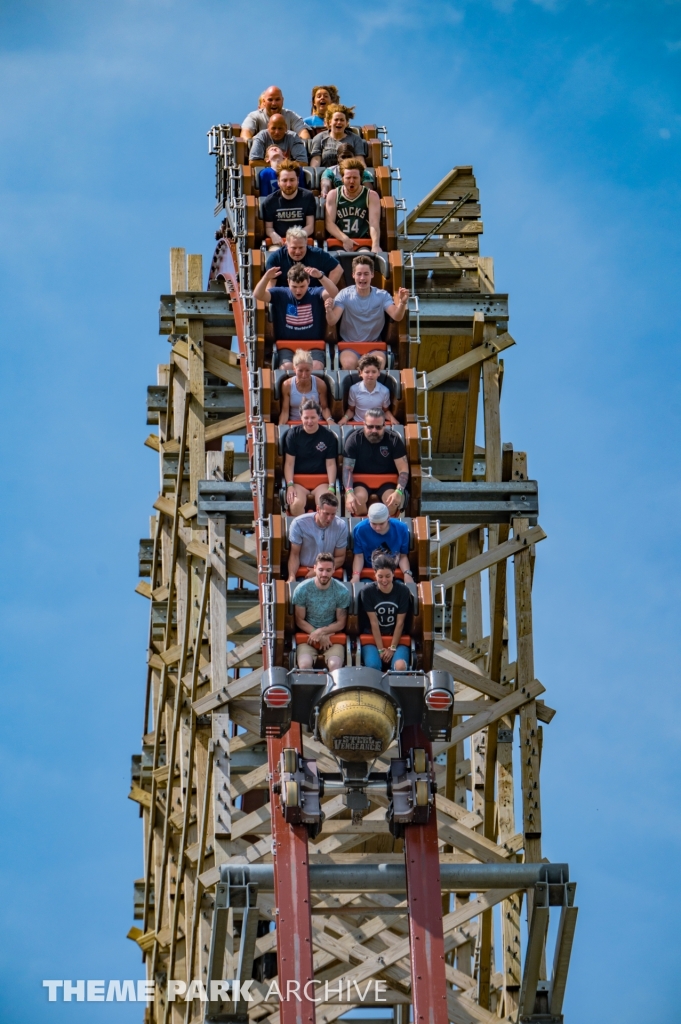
<point>178,270</point>
<point>194,272</point>
<point>196,424</point>
<point>529,735</point>
<point>217,553</point>
<point>510,908</point>
<point>493,473</point>
<point>530,746</point>
<point>467,464</point>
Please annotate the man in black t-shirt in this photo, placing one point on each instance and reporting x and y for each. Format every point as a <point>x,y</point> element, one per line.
<point>310,450</point>
<point>297,250</point>
<point>370,451</point>
<point>384,609</point>
<point>290,206</point>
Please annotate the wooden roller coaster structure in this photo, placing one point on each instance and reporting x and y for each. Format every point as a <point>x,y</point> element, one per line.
<point>246,911</point>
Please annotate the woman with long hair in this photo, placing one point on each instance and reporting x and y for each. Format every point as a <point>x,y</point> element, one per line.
<point>323,152</point>
<point>384,606</point>
<point>322,97</point>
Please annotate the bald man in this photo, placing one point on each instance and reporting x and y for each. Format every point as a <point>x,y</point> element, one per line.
<point>272,102</point>
<point>276,134</point>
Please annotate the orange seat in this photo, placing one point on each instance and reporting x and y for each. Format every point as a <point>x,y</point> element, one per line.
<point>376,479</point>
<point>367,640</point>
<point>310,480</point>
<point>370,574</point>
<point>303,570</point>
<point>362,347</point>
<point>359,243</point>
<point>306,345</point>
<point>336,638</point>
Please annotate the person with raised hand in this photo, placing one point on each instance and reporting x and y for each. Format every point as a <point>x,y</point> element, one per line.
<point>297,250</point>
<point>362,308</point>
<point>297,310</point>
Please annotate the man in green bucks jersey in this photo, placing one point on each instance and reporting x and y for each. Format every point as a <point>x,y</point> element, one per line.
<point>353,211</point>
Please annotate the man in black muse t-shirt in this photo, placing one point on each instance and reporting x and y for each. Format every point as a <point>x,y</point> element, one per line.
<point>309,450</point>
<point>290,206</point>
<point>372,450</point>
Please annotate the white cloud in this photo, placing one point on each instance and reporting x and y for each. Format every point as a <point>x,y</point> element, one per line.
<point>665,133</point>
<point>673,47</point>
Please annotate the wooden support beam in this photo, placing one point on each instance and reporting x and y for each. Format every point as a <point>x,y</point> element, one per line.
<point>515,699</point>
<point>522,541</point>
<point>489,349</point>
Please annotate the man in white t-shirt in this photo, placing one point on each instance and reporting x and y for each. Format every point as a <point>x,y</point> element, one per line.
<point>362,309</point>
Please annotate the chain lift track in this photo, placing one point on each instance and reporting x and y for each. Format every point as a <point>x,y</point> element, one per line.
<point>266,868</point>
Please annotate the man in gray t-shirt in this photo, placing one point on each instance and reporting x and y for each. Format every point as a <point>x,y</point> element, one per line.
<point>363,307</point>
<point>313,532</point>
<point>277,134</point>
<point>272,102</point>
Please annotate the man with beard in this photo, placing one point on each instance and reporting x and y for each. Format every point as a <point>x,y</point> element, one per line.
<point>290,206</point>
<point>372,451</point>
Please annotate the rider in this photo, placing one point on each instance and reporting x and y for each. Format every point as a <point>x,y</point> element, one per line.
<point>324,146</point>
<point>277,134</point>
<point>297,311</point>
<point>294,390</point>
<point>322,97</point>
<point>320,606</point>
<point>353,211</point>
<point>373,450</point>
<point>383,610</point>
<point>379,534</point>
<point>290,206</point>
<point>363,308</point>
<point>271,101</point>
<point>310,450</point>
<point>369,393</point>
<point>313,532</point>
<point>297,250</point>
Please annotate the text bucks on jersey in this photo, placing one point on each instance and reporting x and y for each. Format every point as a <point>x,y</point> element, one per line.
<point>352,216</point>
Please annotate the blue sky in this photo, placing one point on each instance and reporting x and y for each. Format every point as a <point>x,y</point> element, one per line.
<point>570,113</point>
